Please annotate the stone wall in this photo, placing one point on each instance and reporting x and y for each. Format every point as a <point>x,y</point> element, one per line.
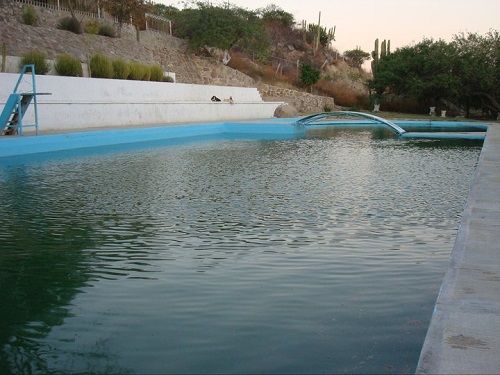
<point>302,101</point>
<point>153,47</point>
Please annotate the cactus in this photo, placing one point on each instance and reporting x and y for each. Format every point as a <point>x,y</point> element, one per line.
<point>375,57</point>
<point>383,49</point>
<point>389,47</point>
<point>331,34</point>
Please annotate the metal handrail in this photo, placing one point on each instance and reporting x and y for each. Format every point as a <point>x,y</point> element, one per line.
<point>310,120</point>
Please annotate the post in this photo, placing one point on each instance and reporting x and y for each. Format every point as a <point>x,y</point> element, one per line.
<point>170,27</point>
<point>318,35</point>
<point>58,5</point>
<point>98,9</point>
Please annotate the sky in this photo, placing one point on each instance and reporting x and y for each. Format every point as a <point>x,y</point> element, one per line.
<point>360,22</point>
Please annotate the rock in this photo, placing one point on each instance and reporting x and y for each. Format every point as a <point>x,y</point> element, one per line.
<point>286,110</point>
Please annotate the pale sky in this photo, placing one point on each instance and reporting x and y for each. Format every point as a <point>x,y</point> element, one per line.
<point>360,22</point>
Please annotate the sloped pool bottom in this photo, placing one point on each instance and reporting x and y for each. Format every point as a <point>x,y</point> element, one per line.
<point>316,256</point>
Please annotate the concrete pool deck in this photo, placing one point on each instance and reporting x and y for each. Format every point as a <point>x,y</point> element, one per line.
<point>464,333</point>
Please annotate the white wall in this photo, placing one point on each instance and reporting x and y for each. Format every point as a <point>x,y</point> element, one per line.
<point>78,103</point>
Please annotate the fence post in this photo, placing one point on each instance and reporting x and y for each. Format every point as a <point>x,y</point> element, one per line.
<point>58,5</point>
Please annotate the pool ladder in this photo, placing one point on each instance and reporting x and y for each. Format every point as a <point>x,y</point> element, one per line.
<point>11,118</point>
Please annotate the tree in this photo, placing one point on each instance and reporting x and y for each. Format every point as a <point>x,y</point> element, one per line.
<point>426,72</point>
<point>123,10</point>
<point>222,27</point>
<point>356,57</point>
<point>309,75</point>
<point>478,68</point>
<point>167,11</point>
<point>274,14</point>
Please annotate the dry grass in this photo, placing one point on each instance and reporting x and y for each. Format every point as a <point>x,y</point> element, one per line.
<point>264,73</point>
<point>343,93</point>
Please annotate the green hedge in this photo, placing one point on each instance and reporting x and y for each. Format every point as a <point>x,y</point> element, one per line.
<point>92,27</point>
<point>156,73</point>
<point>70,24</point>
<point>29,16</point>
<point>101,66</point>
<point>121,69</point>
<point>106,30</point>
<point>39,59</point>
<point>138,72</point>
<point>67,65</point>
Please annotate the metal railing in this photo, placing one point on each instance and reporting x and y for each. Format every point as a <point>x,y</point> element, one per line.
<point>86,8</point>
<point>315,119</point>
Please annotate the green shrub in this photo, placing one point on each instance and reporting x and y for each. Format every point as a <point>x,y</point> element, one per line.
<point>92,27</point>
<point>121,69</point>
<point>138,71</point>
<point>147,73</point>
<point>156,73</point>
<point>107,30</point>
<point>168,79</point>
<point>67,65</point>
<point>101,66</point>
<point>38,59</point>
<point>309,75</point>
<point>29,16</point>
<point>70,24</point>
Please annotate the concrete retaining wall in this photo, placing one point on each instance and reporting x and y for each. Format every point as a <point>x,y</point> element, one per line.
<point>78,103</point>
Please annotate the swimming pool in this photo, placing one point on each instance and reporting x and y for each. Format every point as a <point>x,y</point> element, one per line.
<point>311,254</point>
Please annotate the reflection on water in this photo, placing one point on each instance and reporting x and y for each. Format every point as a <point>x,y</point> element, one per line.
<point>318,255</point>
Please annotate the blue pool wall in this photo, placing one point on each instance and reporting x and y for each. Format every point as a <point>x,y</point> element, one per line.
<point>262,129</point>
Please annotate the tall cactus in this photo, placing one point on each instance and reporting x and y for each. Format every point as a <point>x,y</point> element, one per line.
<point>375,57</point>
<point>383,49</point>
<point>389,47</point>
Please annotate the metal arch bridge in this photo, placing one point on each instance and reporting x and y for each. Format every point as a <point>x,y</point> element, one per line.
<point>313,119</point>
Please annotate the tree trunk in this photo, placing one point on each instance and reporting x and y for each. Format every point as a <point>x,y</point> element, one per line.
<point>137,34</point>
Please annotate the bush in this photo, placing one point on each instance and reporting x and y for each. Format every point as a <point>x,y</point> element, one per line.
<point>67,65</point>
<point>121,69</point>
<point>139,71</point>
<point>92,27</point>
<point>29,16</point>
<point>106,30</point>
<point>101,66</point>
<point>70,24</point>
<point>156,73</point>
<point>38,59</point>
<point>309,75</point>
<point>147,73</point>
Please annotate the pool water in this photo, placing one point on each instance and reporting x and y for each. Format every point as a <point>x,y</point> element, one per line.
<point>318,255</point>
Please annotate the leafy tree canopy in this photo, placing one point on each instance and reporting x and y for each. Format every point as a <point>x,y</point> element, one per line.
<point>357,57</point>
<point>273,13</point>
<point>465,71</point>
<point>222,27</point>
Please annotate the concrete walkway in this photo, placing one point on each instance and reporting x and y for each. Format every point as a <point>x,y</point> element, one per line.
<point>464,334</point>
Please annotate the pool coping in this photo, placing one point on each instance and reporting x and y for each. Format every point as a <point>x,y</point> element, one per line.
<point>464,333</point>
